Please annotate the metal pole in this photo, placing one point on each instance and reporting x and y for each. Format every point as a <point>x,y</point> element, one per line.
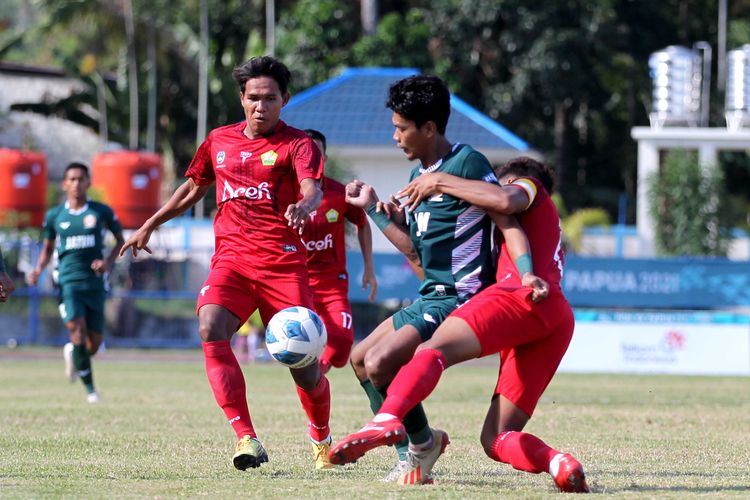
<point>202,89</point>
<point>721,63</point>
<point>151,115</point>
<point>706,81</point>
<point>270,27</point>
<point>132,73</point>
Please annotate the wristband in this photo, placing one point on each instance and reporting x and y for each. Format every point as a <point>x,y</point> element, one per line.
<point>524,265</point>
<point>379,218</point>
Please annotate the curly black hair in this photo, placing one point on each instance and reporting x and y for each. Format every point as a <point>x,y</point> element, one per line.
<point>262,66</point>
<point>524,166</point>
<point>421,98</point>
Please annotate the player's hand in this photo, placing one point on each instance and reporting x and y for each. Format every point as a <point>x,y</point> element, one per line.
<point>6,287</point>
<point>297,215</point>
<point>392,209</point>
<point>33,276</point>
<point>138,241</point>
<point>417,190</point>
<point>369,279</point>
<point>99,266</point>
<point>360,195</point>
<point>539,287</point>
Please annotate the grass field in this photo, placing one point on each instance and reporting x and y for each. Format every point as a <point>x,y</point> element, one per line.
<point>159,434</point>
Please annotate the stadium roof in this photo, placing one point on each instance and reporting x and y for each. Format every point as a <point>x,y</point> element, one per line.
<point>350,110</point>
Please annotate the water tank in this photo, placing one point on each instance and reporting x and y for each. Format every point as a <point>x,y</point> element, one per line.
<point>737,100</point>
<point>130,182</point>
<point>23,188</point>
<point>676,76</point>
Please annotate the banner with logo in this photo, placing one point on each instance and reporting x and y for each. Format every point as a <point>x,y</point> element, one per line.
<point>671,342</point>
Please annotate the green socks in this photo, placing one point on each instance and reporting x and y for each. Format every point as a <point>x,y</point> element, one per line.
<point>82,364</point>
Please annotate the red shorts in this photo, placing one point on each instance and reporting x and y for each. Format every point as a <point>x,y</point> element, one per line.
<point>330,294</point>
<point>531,338</point>
<point>269,291</point>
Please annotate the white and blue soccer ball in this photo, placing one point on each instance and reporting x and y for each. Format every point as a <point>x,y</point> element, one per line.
<point>296,337</point>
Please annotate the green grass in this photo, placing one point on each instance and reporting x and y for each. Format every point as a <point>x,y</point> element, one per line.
<point>158,433</point>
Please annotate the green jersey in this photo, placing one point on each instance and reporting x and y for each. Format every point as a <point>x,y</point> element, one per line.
<point>452,237</point>
<point>79,236</point>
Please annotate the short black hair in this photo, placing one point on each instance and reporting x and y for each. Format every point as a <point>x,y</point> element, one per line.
<point>317,135</point>
<point>421,98</point>
<point>77,165</point>
<point>262,66</point>
<point>523,166</point>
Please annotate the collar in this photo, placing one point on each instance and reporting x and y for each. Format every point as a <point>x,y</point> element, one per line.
<point>439,163</point>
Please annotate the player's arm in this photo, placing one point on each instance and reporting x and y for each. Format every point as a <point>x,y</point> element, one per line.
<point>519,249</point>
<point>489,196</point>
<point>363,196</point>
<point>298,213</point>
<point>182,199</point>
<point>48,247</point>
<point>6,284</point>
<point>364,235</point>
<point>101,266</point>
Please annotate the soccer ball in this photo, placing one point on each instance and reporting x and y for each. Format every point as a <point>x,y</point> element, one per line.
<point>296,337</point>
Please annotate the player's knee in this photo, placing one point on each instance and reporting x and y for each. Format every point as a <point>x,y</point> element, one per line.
<point>378,369</point>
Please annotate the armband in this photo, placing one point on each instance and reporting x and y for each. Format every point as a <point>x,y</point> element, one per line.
<point>379,218</point>
<point>524,265</point>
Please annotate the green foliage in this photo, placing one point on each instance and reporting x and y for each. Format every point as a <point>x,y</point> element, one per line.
<point>574,225</point>
<point>400,41</point>
<point>688,207</point>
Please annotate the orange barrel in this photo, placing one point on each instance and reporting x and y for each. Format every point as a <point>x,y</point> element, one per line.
<point>130,182</point>
<point>23,188</point>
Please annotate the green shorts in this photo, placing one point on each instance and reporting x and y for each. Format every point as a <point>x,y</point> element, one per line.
<point>83,303</point>
<point>426,314</point>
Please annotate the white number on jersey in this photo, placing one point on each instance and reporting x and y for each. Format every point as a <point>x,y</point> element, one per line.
<point>423,218</point>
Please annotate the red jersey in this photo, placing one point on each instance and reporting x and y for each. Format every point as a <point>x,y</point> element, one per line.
<point>325,231</point>
<point>256,180</point>
<point>541,222</point>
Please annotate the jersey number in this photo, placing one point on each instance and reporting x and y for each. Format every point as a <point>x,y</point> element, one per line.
<point>423,218</point>
<point>346,320</point>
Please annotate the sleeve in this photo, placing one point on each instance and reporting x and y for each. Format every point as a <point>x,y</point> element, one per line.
<point>477,167</point>
<point>110,218</point>
<point>307,160</point>
<point>355,215</point>
<point>48,231</point>
<point>201,168</point>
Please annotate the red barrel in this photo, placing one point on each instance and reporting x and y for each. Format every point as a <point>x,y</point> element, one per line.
<point>130,182</point>
<point>23,188</point>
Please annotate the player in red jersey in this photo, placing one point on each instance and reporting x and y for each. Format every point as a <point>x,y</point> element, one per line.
<point>267,177</point>
<point>325,239</point>
<point>530,336</point>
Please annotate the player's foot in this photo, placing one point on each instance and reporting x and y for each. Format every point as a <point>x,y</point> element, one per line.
<point>370,436</point>
<point>419,465</point>
<point>395,472</point>
<point>249,453</point>
<point>320,452</point>
<point>70,372</point>
<point>93,398</point>
<point>568,474</point>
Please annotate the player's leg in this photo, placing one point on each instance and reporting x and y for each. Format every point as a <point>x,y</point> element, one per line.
<point>277,291</point>
<point>94,326</point>
<point>334,309</point>
<point>225,301</point>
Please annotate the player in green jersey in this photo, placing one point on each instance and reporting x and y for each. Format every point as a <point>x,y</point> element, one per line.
<point>446,238</point>
<point>75,230</point>
<point>6,284</point>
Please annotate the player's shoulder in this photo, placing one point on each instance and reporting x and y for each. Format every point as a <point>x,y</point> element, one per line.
<point>467,152</point>
<point>55,211</point>
<point>225,130</point>
<point>99,207</point>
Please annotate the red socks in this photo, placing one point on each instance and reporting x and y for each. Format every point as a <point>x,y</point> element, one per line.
<point>228,384</point>
<point>317,405</point>
<point>414,382</point>
<point>523,451</point>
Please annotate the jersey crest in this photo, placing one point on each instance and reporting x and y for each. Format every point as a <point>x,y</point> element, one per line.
<point>268,159</point>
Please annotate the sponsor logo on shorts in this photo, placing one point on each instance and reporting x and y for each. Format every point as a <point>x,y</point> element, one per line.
<point>428,317</point>
<point>323,244</point>
<point>440,289</point>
